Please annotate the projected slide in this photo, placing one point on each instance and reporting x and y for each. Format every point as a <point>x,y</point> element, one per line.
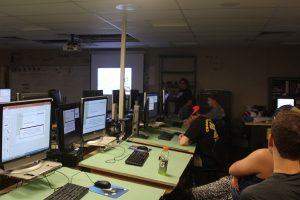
<point>109,80</point>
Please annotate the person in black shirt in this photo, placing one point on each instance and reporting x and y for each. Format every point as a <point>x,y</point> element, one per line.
<point>184,95</point>
<point>201,131</point>
<point>284,144</point>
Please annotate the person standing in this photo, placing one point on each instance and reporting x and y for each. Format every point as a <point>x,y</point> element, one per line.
<point>184,96</point>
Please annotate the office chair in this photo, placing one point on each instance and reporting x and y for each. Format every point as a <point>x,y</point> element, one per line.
<point>204,175</point>
<point>57,100</point>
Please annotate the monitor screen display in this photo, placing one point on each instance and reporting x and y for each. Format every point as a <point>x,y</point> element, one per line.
<point>94,115</point>
<point>25,129</point>
<point>153,105</point>
<point>5,95</point>
<point>69,117</point>
<point>282,102</point>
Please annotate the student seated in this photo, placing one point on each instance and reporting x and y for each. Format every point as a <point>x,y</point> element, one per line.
<point>251,170</point>
<point>216,112</point>
<point>284,144</point>
<point>201,131</point>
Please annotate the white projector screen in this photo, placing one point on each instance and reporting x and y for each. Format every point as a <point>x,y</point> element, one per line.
<point>111,59</point>
<point>108,83</point>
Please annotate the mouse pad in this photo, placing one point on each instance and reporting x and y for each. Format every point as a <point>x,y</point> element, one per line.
<point>114,193</point>
<point>135,148</point>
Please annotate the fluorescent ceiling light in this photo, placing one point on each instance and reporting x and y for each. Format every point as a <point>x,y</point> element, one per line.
<point>169,23</point>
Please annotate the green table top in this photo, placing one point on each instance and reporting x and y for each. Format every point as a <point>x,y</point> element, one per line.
<point>153,140</point>
<point>147,173</point>
<point>39,189</point>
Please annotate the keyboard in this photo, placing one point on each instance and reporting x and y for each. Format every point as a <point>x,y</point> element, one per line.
<point>166,136</point>
<point>68,192</point>
<point>137,158</point>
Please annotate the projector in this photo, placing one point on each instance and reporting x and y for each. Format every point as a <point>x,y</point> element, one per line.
<point>71,46</point>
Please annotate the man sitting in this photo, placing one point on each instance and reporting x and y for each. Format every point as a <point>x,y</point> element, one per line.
<point>284,144</point>
<point>201,132</point>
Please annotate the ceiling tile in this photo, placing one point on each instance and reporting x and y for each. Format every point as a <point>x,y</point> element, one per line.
<point>227,22</point>
<point>229,13</point>
<point>42,9</point>
<point>26,2</point>
<point>109,5</point>
<point>61,18</point>
<point>196,4</point>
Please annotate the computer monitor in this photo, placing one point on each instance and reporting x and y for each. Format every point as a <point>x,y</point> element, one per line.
<point>5,95</point>
<point>31,96</point>
<point>25,132</point>
<point>152,105</point>
<point>92,93</point>
<point>68,126</point>
<point>285,101</point>
<point>93,117</point>
<point>134,96</point>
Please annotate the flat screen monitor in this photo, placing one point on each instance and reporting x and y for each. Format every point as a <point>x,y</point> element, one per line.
<point>152,99</point>
<point>93,115</point>
<point>134,97</point>
<point>5,95</point>
<point>31,96</point>
<point>285,101</point>
<point>68,126</point>
<point>92,93</point>
<point>25,132</point>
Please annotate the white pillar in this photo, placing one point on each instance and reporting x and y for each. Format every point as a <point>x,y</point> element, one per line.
<point>122,68</point>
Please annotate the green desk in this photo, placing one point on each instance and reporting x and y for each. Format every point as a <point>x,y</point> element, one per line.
<point>40,189</point>
<point>153,140</point>
<point>147,175</point>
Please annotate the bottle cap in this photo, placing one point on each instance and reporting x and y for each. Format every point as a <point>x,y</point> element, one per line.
<point>166,148</point>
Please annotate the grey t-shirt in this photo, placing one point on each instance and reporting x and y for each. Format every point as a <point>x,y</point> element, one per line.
<point>276,187</point>
<point>216,113</point>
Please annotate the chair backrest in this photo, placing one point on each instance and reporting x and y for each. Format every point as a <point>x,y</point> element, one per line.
<point>56,96</point>
<point>220,152</point>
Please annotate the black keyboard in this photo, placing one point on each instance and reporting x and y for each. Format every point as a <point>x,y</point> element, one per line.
<point>68,192</point>
<point>165,136</point>
<point>137,158</point>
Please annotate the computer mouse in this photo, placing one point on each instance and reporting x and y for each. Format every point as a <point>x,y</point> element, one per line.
<point>102,184</point>
<point>144,148</point>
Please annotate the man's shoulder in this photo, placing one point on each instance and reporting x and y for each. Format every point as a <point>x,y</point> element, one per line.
<point>254,192</point>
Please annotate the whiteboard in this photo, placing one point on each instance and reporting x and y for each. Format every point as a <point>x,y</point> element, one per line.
<point>70,80</point>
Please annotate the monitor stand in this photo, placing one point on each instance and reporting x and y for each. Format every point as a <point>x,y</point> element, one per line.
<point>34,169</point>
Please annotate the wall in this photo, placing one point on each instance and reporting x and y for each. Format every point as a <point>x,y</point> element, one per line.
<point>40,70</point>
<point>244,71</point>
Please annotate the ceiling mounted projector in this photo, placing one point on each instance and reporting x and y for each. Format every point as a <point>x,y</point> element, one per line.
<point>72,45</point>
